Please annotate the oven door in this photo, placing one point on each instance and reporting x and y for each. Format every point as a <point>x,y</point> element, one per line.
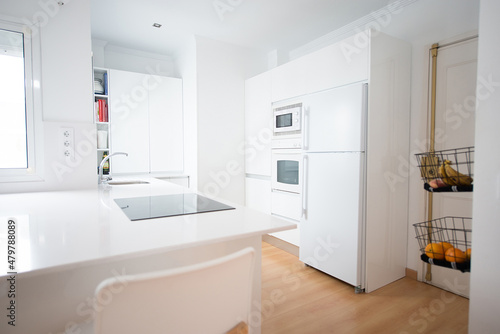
<point>286,172</point>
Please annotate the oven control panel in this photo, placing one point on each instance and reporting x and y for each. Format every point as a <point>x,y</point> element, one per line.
<point>295,142</point>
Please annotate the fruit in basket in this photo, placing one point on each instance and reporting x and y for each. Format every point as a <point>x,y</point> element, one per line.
<point>435,251</point>
<point>446,246</point>
<point>459,178</point>
<point>452,177</point>
<point>468,253</point>
<point>455,255</point>
<point>437,183</point>
<point>443,176</point>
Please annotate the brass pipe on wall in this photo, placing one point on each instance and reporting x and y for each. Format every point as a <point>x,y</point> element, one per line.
<point>432,133</point>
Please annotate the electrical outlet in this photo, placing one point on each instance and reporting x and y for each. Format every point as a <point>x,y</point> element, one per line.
<point>67,143</point>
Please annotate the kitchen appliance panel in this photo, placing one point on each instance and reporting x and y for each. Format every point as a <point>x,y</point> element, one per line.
<point>149,207</point>
<point>332,225</point>
<point>334,119</point>
<point>286,204</point>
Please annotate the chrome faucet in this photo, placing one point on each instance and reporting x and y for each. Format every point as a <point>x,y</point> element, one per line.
<point>101,165</point>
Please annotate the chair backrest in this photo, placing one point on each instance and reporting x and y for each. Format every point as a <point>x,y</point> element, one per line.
<point>210,297</point>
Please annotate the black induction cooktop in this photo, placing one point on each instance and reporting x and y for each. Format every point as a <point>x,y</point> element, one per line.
<point>138,208</point>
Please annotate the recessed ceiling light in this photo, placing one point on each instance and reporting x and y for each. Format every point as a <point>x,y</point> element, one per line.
<point>156,25</point>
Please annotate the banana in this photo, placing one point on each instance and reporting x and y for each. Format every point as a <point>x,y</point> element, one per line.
<point>443,175</point>
<point>456,177</point>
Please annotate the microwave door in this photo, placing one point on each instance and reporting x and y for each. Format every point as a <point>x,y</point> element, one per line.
<point>287,118</point>
<point>284,121</point>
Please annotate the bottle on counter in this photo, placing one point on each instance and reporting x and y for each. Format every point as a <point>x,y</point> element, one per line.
<point>105,167</point>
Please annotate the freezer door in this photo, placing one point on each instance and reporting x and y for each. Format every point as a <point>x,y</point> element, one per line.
<point>334,120</point>
<point>331,236</point>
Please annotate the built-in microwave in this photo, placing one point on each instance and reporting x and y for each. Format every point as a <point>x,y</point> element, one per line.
<point>287,119</point>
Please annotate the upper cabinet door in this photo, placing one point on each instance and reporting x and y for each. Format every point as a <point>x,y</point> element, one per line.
<point>129,119</point>
<point>165,124</point>
<point>339,64</point>
<point>289,80</point>
<point>258,125</point>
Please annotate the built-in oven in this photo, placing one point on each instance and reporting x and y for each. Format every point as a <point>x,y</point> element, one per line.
<point>286,183</point>
<point>286,174</point>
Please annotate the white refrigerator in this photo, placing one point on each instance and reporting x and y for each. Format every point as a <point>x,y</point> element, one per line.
<point>332,225</point>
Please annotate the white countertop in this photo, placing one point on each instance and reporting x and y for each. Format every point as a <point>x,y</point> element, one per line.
<point>67,228</point>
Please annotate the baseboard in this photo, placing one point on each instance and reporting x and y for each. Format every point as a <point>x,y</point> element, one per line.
<point>281,244</point>
<point>410,273</point>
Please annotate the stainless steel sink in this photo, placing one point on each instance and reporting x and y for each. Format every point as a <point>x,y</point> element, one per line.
<point>126,182</point>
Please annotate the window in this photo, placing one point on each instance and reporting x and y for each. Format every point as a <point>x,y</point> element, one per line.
<point>20,112</point>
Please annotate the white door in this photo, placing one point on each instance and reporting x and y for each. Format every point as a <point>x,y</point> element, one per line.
<point>258,125</point>
<point>129,121</point>
<point>166,147</point>
<point>455,115</point>
<point>331,225</point>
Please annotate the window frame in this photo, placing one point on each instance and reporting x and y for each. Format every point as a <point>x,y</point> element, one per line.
<point>34,125</point>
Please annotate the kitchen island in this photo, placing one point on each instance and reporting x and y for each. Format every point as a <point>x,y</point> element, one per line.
<point>67,242</point>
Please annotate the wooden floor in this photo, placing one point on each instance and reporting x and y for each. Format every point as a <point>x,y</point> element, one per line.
<point>300,299</point>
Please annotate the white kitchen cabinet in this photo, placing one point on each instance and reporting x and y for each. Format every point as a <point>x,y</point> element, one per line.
<point>288,80</point>
<point>129,121</point>
<point>387,155</point>
<point>339,64</point>
<point>259,197</point>
<point>165,124</point>
<point>258,125</point>
<point>288,206</point>
<point>258,194</point>
<point>147,121</point>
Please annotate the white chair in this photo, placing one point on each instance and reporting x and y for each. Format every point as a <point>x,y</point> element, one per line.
<point>210,297</point>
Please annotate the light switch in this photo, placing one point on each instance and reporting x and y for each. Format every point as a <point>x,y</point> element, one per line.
<point>67,143</point>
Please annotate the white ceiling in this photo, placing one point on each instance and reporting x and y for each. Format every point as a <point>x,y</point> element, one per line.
<point>264,24</point>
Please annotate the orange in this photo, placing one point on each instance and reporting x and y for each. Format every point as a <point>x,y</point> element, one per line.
<point>455,255</point>
<point>468,253</point>
<point>435,251</point>
<point>446,246</point>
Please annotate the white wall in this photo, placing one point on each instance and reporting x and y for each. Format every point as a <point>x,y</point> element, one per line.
<point>66,93</point>
<point>221,72</point>
<point>484,304</point>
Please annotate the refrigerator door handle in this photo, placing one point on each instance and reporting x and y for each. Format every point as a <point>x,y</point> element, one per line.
<point>305,165</point>
<point>365,117</point>
<point>305,132</point>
